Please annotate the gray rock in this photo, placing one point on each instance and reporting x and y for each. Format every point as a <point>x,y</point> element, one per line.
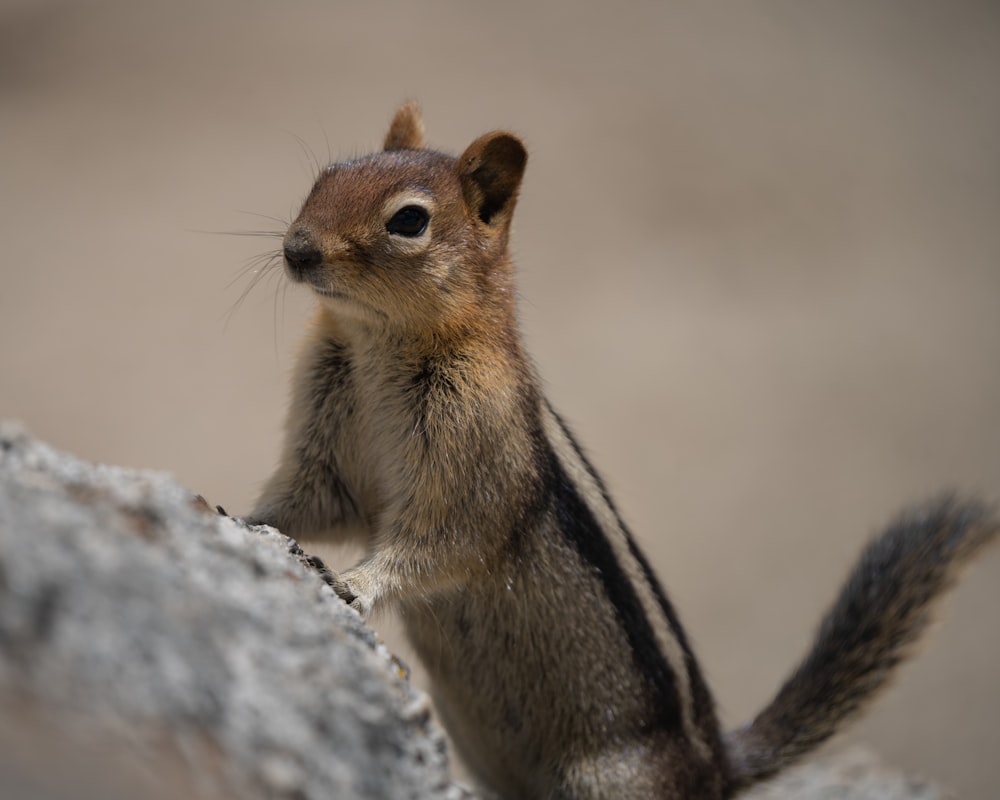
<point>152,648</point>
<point>160,639</point>
<point>854,774</point>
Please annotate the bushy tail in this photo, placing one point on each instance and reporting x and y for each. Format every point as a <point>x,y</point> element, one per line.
<point>879,615</point>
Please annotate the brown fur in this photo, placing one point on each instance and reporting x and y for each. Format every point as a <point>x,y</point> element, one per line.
<point>417,423</point>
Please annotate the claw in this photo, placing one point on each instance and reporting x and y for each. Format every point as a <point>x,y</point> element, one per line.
<point>344,592</point>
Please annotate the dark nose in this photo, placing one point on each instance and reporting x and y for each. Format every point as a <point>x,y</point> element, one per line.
<point>301,253</point>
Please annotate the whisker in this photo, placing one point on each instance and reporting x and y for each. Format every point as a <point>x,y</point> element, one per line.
<point>268,234</point>
<point>284,293</point>
<point>309,153</point>
<point>274,316</point>
<point>282,222</point>
<point>329,150</point>
<point>261,266</point>
<point>258,263</point>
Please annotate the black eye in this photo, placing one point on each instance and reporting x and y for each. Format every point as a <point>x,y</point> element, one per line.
<point>408,221</point>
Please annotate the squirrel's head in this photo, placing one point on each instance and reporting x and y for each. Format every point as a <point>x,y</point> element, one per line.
<point>410,237</point>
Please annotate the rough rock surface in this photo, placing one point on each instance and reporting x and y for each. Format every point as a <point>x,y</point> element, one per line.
<point>854,774</point>
<point>150,647</point>
<point>186,647</point>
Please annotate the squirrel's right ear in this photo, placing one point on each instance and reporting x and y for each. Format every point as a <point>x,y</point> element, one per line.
<point>490,170</point>
<point>407,129</point>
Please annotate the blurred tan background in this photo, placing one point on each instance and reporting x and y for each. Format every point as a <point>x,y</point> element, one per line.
<point>759,247</point>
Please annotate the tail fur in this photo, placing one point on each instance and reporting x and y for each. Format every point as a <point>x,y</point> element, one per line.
<point>881,612</point>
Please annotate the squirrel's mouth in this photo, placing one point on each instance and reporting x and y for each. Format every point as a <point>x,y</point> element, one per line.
<point>325,291</point>
<point>320,278</point>
<point>315,277</point>
<point>345,301</point>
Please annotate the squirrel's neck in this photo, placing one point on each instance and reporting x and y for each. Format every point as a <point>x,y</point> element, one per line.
<point>490,345</point>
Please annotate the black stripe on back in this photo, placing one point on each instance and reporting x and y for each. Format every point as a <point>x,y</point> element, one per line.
<point>704,706</point>
<point>578,524</point>
<point>637,554</point>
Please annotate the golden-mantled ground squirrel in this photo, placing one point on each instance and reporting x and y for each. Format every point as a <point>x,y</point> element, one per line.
<point>558,663</point>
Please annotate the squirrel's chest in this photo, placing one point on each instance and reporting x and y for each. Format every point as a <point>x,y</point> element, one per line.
<point>354,411</point>
<point>381,408</point>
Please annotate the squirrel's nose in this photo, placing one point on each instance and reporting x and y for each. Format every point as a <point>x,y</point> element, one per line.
<point>301,253</point>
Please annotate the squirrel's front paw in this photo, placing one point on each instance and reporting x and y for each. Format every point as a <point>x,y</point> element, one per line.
<point>347,589</point>
<point>341,584</point>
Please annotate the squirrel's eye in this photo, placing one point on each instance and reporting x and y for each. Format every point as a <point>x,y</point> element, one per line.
<point>408,221</point>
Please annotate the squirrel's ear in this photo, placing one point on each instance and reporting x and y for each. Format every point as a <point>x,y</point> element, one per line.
<point>407,129</point>
<point>490,170</point>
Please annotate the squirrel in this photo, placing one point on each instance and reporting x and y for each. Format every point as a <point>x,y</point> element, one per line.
<point>417,423</point>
